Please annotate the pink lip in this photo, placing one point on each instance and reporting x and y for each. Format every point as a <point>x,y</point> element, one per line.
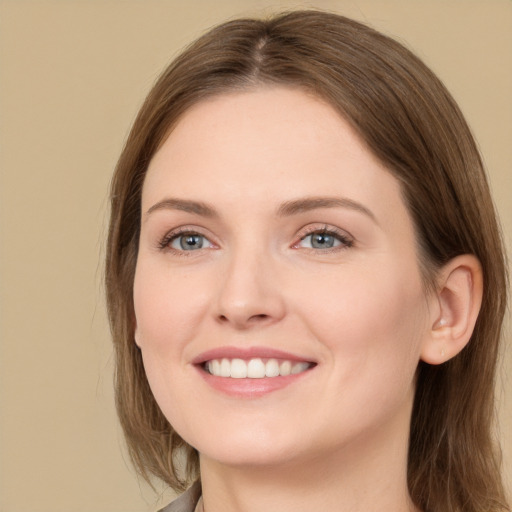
<point>248,388</point>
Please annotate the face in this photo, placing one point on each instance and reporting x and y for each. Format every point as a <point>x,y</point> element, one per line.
<point>279,305</point>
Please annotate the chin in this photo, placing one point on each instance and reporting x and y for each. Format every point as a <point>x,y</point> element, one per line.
<point>249,449</point>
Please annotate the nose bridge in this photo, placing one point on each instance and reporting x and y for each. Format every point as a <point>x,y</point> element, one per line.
<point>249,293</point>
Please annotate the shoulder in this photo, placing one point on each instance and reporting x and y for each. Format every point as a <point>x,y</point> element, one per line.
<point>187,501</point>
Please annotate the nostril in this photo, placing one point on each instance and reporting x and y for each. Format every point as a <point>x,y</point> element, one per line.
<point>258,317</point>
<point>245,320</point>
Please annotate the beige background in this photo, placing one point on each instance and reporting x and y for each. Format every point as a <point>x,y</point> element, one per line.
<point>73,74</point>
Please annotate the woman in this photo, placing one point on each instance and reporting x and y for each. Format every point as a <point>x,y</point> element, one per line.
<point>305,278</point>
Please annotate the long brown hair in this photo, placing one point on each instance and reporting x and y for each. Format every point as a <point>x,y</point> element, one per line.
<point>409,121</point>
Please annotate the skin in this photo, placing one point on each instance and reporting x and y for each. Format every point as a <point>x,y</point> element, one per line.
<point>335,439</point>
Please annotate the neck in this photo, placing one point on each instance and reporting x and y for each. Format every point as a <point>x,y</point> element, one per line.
<point>368,475</point>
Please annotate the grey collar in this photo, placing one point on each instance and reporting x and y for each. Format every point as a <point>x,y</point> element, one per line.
<point>187,501</point>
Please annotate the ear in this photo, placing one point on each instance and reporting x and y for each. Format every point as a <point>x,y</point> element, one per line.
<point>454,309</point>
<point>135,331</point>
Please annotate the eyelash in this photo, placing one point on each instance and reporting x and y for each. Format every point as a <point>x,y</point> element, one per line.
<point>345,241</point>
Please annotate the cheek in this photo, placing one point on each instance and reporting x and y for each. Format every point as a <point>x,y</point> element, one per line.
<point>369,320</point>
<point>168,316</point>
<point>370,330</point>
<point>168,307</point>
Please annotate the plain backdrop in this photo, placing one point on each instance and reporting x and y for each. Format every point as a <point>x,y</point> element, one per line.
<point>72,76</point>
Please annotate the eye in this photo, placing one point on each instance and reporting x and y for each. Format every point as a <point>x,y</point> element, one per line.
<point>324,239</point>
<point>190,242</point>
<point>185,241</point>
<point>320,241</point>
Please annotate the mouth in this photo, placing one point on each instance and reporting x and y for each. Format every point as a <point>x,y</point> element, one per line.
<point>255,368</point>
<point>251,372</point>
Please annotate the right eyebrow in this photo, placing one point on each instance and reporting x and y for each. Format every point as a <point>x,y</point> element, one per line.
<point>184,205</point>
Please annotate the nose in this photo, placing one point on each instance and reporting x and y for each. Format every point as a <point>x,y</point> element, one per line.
<point>249,293</point>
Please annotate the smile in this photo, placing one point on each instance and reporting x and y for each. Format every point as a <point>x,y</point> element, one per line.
<point>255,368</point>
<point>251,372</point>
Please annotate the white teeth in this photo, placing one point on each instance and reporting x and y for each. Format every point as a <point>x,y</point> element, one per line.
<point>285,368</point>
<point>254,368</point>
<point>238,368</point>
<point>272,368</point>
<point>299,367</point>
<point>225,368</point>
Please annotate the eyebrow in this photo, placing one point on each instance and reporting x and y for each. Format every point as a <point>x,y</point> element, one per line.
<point>287,209</point>
<point>306,204</point>
<point>185,205</point>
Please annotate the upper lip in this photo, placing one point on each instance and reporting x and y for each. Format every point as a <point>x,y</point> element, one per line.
<point>248,353</point>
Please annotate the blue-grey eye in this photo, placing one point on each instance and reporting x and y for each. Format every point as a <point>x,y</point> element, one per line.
<point>190,242</point>
<point>323,240</point>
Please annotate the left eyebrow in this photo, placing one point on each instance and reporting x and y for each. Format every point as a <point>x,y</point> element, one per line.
<point>312,203</point>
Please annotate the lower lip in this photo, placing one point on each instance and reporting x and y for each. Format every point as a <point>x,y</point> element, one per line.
<point>250,388</point>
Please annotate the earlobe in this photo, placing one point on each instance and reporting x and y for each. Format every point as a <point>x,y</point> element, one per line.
<point>457,304</point>
<point>135,332</point>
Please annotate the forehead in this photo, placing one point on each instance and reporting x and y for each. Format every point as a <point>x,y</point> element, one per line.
<point>266,144</point>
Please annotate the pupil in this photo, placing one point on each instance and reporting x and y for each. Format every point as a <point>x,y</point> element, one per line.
<point>191,242</point>
<point>322,240</point>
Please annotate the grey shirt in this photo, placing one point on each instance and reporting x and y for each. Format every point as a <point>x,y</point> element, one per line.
<point>187,501</point>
